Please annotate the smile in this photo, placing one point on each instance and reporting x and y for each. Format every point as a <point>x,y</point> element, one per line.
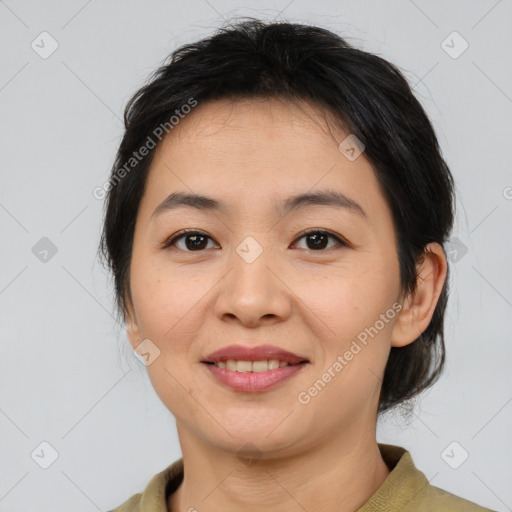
<point>253,376</point>
<point>251,366</point>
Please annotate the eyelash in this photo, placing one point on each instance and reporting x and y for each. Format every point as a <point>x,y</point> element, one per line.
<point>172,240</point>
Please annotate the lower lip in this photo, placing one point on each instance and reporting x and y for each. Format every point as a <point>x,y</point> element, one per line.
<point>253,381</point>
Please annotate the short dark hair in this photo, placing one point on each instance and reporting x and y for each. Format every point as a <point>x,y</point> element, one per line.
<point>370,98</point>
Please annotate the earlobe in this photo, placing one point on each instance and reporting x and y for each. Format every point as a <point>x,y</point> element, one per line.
<point>419,307</point>
<point>132,333</point>
<point>132,329</point>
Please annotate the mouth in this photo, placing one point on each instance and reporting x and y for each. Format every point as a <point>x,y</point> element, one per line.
<point>253,369</point>
<point>252,366</point>
<point>253,359</point>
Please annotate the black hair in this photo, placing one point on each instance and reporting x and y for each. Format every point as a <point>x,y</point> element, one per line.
<point>369,97</point>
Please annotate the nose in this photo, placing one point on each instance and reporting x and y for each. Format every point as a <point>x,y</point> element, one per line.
<point>254,292</point>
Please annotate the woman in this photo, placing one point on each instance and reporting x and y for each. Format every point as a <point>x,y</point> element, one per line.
<point>275,222</point>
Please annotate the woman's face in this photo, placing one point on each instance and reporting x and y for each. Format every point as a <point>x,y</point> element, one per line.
<point>251,278</point>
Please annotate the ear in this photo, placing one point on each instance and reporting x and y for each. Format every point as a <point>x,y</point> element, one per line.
<point>418,308</point>
<point>132,328</point>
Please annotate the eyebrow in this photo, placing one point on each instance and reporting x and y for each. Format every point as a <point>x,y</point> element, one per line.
<point>328,197</point>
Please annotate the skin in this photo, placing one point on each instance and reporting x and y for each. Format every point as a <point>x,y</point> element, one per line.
<point>251,154</point>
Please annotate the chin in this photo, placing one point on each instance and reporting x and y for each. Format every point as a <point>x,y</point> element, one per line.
<point>267,442</point>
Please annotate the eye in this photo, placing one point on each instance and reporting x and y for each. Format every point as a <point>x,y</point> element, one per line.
<point>317,239</point>
<point>194,240</point>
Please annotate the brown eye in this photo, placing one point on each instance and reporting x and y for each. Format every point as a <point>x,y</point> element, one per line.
<point>193,240</point>
<point>317,240</point>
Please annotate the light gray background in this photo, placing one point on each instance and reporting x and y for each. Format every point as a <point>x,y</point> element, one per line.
<point>67,374</point>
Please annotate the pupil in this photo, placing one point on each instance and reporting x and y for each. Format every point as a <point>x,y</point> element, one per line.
<point>195,239</point>
<point>317,242</point>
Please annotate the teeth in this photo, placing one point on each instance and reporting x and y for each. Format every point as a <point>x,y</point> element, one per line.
<point>260,366</point>
<point>243,366</point>
<point>251,366</point>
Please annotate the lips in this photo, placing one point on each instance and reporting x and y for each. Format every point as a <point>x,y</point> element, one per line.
<point>259,353</point>
<point>253,369</point>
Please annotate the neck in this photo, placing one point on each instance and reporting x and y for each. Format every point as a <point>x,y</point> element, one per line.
<point>337,476</point>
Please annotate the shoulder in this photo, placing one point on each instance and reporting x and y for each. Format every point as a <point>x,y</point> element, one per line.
<point>407,489</point>
<point>154,497</point>
<point>433,498</point>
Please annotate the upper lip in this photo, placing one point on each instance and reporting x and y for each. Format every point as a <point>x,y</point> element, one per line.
<point>259,353</point>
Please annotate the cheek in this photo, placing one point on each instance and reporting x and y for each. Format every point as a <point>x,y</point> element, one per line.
<point>348,297</point>
<point>163,298</point>
<point>356,309</point>
<point>167,309</point>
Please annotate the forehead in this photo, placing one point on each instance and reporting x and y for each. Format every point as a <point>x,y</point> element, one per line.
<point>267,120</point>
<point>254,153</point>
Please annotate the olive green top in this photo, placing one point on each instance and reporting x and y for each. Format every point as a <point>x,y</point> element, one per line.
<point>406,489</point>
